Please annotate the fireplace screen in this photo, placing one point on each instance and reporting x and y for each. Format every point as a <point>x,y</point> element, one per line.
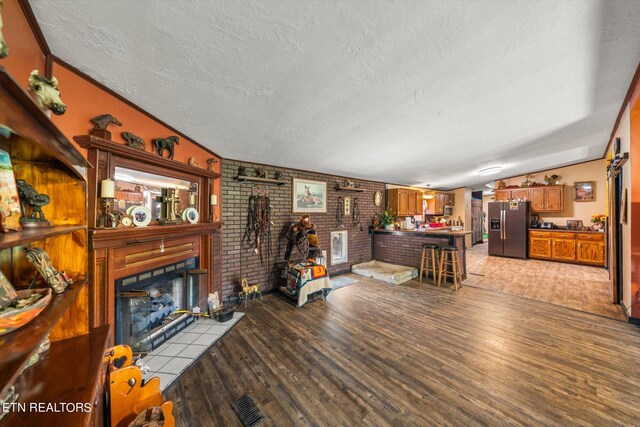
<point>150,305</point>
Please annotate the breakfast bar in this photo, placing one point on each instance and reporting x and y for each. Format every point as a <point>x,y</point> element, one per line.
<point>404,247</point>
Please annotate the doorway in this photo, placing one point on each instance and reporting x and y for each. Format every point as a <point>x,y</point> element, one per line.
<point>476,218</point>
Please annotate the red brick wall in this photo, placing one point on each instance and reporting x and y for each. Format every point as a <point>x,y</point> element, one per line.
<point>238,262</point>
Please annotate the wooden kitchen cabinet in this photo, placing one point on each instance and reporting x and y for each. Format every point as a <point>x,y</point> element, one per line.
<point>547,199</point>
<point>520,194</point>
<point>581,248</point>
<point>449,199</point>
<point>404,201</point>
<point>501,195</point>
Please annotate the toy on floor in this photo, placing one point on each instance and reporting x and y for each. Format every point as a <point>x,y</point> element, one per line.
<point>249,291</point>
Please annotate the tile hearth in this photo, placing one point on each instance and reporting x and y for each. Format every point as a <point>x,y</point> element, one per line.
<point>174,356</point>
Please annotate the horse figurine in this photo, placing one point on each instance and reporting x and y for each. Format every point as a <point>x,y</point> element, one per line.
<point>248,291</point>
<point>162,144</point>
<point>4,49</point>
<point>210,162</point>
<point>46,94</point>
<point>103,120</point>
<point>194,162</point>
<point>30,196</point>
<point>134,141</point>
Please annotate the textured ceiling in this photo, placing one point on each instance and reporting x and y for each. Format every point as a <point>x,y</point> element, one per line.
<point>403,92</point>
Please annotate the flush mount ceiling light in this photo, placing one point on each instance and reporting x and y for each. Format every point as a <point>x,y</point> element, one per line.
<point>429,194</point>
<point>490,171</point>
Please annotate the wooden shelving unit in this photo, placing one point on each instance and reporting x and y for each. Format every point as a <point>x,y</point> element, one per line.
<point>355,189</point>
<point>67,373</point>
<point>31,235</point>
<point>243,178</point>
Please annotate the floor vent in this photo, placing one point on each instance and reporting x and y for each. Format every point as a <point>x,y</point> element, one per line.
<point>248,412</point>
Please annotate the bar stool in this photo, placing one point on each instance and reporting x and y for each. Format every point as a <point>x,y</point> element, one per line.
<point>429,261</point>
<point>450,257</point>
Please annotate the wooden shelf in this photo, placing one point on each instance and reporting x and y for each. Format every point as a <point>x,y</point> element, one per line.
<point>18,346</point>
<point>17,238</point>
<point>356,189</point>
<point>67,373</point>
<point>242,178</point>
<point>123,236</point>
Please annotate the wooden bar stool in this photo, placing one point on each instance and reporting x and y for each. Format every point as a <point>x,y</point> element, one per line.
<point>429,261</point>
<point>450,257</point>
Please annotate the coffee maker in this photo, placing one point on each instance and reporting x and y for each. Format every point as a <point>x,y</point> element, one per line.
<point>535,221</point>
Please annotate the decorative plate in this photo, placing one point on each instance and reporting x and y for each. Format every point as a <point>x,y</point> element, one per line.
<point>377,198</point>
<point>191,215</point>
<point>141,216</point>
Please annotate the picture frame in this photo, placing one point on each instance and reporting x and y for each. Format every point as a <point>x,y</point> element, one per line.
<point>309,196</point>
<point>584,191</point>
<point>347,206</point>
<point>10,211</point>
<point>339,247</point>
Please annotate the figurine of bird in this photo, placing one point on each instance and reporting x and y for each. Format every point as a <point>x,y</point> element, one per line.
<point>550,180</point>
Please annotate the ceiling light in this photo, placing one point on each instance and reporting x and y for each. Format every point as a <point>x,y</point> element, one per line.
<point>429,194</point>
<point>490,171</point>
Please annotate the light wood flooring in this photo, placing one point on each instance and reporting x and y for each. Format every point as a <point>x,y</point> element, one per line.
<point>578,287</point>
<point>376,354</point>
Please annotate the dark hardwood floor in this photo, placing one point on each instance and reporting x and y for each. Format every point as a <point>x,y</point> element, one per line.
<point>377,354</point>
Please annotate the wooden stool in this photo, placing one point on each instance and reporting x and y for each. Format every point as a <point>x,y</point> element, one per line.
<point>450,256</point>
<point>429,261</point>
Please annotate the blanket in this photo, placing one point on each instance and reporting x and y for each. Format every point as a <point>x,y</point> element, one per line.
<point>306,278</point>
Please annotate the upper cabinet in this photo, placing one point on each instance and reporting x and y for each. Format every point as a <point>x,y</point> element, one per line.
<point>542,199</point>
<point>405,202</point>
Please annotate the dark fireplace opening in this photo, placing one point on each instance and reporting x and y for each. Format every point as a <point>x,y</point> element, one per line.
<point>149,305</point>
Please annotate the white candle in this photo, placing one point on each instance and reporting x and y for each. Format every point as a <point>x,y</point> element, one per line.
<point>192,199</point>
<point>108,190</point>
<point>214,200</point>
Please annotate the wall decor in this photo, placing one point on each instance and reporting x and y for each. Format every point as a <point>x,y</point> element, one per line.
<point>4,49</point>
<point>257,233</point>
<point>194,162</point>
<point>339,247</point>
<point>140,215</point>
<point>347,206</point>
<point>46,94</point>
<point>340,212</point>
<point>309,196</point>
<point>165,144</point>
<point>584,191</point>
<point>58,280</point>
<point>191,215</point>
<point>30,197</point>
<point>377,198</point>
<point>210,162</point>
<point>133,141</point>
<point>9,199</point>
<point>356,213</point>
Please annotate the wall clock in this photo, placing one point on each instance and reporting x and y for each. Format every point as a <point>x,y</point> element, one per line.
<point>126,221</point>
<point>377,198</point>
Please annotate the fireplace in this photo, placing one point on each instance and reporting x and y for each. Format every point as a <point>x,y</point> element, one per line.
<point>149,305</point>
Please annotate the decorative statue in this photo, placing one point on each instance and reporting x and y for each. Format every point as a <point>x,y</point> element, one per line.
<point>103,120</point>
<point>210,162</point>
<point>58,280</point>
<point>249,291</point>
<point>162,144</point>
<point>29,196</point>
<point>260,173</point>
<point>194,162</point>
<point>277,175</point>
<point>550,180</point>
<point>134,141</point>
<point>46,94</point>
<point>4,49</point>
<point>242,171</point>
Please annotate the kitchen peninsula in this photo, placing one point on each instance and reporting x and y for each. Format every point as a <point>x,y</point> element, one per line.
<point>404,247</point>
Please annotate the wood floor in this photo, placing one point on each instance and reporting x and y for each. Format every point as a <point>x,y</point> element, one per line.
<point>377,354</point>
<point>579,287</point>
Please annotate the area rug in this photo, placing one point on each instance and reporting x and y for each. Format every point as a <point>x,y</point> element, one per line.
<point>341,282</point>
<point>388,273</point>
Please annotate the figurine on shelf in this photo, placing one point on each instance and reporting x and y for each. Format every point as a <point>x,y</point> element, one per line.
<point>162,144</point>
<point>194,162</point>
<point>58,280</point>
<point>551,180</point>
<point>133,141</point>
<point>242,171</point>
<point>4,50</point>
<point>29,196</point>
<point>277,175</point>
<point>46,94</point>
<point>100,124</point>
<point>260,173</point>
<point>210,162</point>
<point>500,185</point>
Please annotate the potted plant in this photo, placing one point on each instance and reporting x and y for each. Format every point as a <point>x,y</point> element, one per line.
<point>388,218</point>
<point>598,222</point>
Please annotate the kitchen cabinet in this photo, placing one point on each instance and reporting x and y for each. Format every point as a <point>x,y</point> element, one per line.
<point>501,195</point>
<point>405,202</point>
<point>520,194</point>
<point>511,194</point>
<point>547,199</point>
<point>435,206</point>
<point>565,246</point>
<point>449,199</point>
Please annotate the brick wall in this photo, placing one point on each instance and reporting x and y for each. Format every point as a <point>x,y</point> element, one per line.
<point>240,261</point>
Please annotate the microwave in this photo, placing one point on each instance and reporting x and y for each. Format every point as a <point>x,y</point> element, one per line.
<point>448,210</point>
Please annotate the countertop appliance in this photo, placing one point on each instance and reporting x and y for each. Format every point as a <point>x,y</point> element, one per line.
<point>508,223</point>
<point>448,210</point>
<point>547,225</point>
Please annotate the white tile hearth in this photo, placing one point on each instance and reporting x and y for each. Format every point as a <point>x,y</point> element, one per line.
<point>174,356</point>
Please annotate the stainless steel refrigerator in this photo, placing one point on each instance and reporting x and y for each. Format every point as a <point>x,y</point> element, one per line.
<point>508,229</point>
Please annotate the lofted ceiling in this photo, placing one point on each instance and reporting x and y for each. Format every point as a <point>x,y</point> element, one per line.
<point>405,92</point>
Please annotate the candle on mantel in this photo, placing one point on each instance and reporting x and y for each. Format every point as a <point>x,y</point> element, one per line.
<point>214,200</point>
<point>108,189</point>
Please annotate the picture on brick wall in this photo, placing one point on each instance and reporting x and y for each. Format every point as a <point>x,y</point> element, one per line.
<point>309,196</point>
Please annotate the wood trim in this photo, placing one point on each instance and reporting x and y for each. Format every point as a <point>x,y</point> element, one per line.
<point>35,27</point>
<point>123,237</point>
<point>91,142</point>
<point>124,100</point>
<point>627,98</point>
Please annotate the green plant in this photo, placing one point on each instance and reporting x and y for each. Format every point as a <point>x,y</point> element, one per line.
<point>388,217</point>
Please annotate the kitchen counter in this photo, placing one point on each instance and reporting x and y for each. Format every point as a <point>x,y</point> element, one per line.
<point>404,247</point>
<point>564,230</point>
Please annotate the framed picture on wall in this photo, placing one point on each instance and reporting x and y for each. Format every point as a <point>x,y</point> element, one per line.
<point>309,196</point>
<point>584,191</point>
